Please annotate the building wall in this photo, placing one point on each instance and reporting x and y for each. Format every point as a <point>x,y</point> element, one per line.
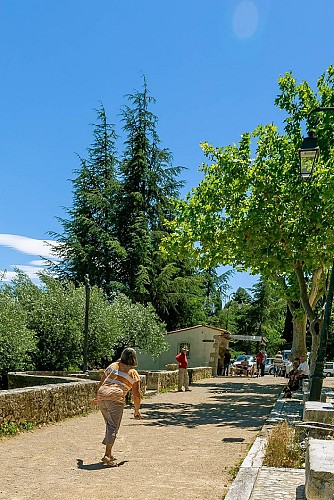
<point>201,342</point>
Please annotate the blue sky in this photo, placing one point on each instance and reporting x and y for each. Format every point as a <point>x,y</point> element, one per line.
<point>212,67</point>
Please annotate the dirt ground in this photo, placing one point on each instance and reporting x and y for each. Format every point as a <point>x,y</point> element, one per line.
<point>184,448</point>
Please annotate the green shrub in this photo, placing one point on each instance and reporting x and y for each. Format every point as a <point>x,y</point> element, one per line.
<point>12,428</point>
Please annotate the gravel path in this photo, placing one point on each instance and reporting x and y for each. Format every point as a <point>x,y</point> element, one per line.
<point>184,448</point>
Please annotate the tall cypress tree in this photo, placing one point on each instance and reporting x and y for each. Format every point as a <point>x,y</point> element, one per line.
<point>89,243</point>
<point>149,183</point>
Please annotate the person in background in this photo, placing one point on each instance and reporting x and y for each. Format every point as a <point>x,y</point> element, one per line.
<point>183,380</point>
<point>278,363</point>
<point>227,359</point>
<point>260,363</point>
<point>118,379</point>
<point>303,368</point>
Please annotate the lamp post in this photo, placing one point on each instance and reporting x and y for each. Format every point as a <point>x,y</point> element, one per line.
<point>85,352</point>
<point>308,155</point>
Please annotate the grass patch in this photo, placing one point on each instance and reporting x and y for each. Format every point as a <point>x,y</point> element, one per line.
<point>283,448</point>
<point>235,469</point>
<point>168,389</point>
<point>12,428</point>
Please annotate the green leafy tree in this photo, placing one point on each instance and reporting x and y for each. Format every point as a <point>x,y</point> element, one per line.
<point>17,341</point>
<point>138,325</point>
<point>253,211</point>
<point>53,314</point>
<point>268,314</point>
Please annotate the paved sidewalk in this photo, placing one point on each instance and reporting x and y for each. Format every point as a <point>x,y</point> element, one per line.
<point>257,482</point>
<point>185,447</point>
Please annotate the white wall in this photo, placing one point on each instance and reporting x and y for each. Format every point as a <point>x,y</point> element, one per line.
<point>199,354</point>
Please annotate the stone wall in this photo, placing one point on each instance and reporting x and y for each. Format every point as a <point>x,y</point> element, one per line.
<point>161,380</point>
<point>42,397</point>
<point>199,373</point>
<point>47,403</point>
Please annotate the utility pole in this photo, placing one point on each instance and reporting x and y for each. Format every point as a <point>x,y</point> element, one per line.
<point>85,352</point>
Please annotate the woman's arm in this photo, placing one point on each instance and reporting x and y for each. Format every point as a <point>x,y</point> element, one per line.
<point>136,399</point>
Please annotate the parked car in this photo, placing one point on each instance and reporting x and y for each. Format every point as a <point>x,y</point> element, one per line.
<point>269,367</point>
<point>329,369</point>
<point>239,363</point>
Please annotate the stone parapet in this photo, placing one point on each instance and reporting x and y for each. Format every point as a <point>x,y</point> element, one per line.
<point>42,397</point>
<point>319,469</point>
<point>199,373</point>
<point>47,403</point>
<point>318,411</point>
<point>160,380</point>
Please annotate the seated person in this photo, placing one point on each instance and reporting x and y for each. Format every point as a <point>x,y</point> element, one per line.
<point>247,367</point>
<point>303,368</point>
<point>294,381</point>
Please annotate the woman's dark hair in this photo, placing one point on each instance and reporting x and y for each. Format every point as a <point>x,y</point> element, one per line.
<point>129,357</point>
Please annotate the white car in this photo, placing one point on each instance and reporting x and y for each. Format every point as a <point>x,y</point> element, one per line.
<point>240,362</point>
<point>329,369</point>
<point>269,367</point>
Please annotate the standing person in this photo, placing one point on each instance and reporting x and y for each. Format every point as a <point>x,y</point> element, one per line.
<point>227,359</point>
<point>278,363</point>
<point>183,380</point>
<point>118,379</point>
<point>260,363</point>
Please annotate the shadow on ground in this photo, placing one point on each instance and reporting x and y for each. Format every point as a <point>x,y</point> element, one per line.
<point>242,404</point>
<point>97,465</point>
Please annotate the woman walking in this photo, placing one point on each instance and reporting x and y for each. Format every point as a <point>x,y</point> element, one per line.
<point>118,379</point>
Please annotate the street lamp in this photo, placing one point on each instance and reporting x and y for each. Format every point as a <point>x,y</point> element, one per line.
<point>308,155</point>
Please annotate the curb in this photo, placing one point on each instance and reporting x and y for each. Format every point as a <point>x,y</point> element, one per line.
<point>243,485</point>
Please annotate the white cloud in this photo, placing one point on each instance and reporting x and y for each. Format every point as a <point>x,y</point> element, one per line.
<point>30,271</point>
<point>39,262</point>
<point>26,245</point>
<point>30,246</point>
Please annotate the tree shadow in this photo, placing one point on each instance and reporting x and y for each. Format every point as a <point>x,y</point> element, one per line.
<point>241,405</point>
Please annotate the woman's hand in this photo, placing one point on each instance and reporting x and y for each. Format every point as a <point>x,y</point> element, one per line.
<point>95,401</point>
<point>137,415</point>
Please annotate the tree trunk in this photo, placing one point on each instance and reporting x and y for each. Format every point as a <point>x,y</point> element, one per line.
<point>314,349</point>
<point>299,334</point>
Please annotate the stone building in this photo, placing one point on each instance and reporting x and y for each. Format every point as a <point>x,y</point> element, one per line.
<point>206,344</point>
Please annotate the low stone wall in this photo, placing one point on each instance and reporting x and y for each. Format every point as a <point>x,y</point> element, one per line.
<point>161,380</point>
<point>42,397</point>
<point>157,381</point>
<point>25,379</point>
<point>199,373</point>
<point>47,403</point>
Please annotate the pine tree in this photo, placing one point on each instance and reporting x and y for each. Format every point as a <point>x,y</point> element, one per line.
<point>89,244</point>
<point>149,183</point>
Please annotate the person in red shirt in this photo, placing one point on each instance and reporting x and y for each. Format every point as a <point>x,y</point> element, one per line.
<point>260,358</point>
<point>183,380</point>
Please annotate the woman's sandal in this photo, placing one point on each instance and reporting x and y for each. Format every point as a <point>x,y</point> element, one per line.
<point>109,461</point>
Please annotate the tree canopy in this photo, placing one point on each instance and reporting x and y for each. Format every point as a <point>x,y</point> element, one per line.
<point>253,211</point>
<point>114,228</point>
